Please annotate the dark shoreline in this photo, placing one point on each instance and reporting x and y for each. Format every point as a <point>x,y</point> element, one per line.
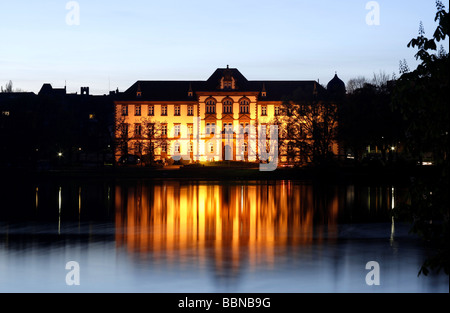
<point>367,175</point>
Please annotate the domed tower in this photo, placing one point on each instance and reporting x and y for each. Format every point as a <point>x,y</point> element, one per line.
<point>336,88</point>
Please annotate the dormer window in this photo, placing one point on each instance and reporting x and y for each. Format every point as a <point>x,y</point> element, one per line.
<point>138,91</point>
<point>227,85</point>
<point>264,92</point>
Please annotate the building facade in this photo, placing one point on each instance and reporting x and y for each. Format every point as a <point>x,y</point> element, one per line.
<point>225,118</point>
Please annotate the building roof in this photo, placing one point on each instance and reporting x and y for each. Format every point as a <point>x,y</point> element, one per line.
<point>179,90</point>
<point>48,90</point>
<point>336,85</point>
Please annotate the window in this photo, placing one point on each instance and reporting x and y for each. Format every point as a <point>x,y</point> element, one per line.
<point>210,128</point>
<point>228,106</point>
<point>177,130</point>
<point>138,130</point>
<point>210,107</point>
<point>164,110</point>
<point>124,129</point>
<point>164,148</point>
<point>138,148</point>
<point>137,110</point>
<point>177,148</point>
<point>264,110</point>
<point>277,110</point>
<point>92,117</point>
<point>244,128</point>
<point>151,130</point>
<point>211,147</point>
<point>190,110</point>
<point>190,129</point>
<point>244,107</point>
<point>228,84</point>
<point>263,131</point>
<point>177,110</point>
<point>124,110</point>
<point>151,110</point>
<point>228,128</point>
<point>191,147</point>
<point>164,130</point>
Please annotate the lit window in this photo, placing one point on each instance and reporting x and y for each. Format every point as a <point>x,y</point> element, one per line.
<point>164,110</point>
<point>277,111</point>
<point>124,130</point>
<point>263,130</point>
<point>151,110</point>
<point>138,148</point>
<point>244,107</point>
<point>91,116</point>
<point>264,110</point>
<point>125,110</point>
<point>137,129</point>
<point>210,107</point>
<point>177,130</point>
<point>228,84</point>
<point>228,128</point>
<point>228,106</point>
<point>137,110</point>
<point>244,128</point>
<point>151,129</point>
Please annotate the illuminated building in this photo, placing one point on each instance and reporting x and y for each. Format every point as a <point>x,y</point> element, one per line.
<point>220,119</point>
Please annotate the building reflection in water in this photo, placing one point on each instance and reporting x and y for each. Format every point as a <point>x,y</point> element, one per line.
<point>230,225</point>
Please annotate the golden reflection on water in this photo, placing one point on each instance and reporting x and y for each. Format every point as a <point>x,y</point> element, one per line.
<point>175,219</point>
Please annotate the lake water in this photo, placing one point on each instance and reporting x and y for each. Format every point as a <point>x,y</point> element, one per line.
<point>206,237</point>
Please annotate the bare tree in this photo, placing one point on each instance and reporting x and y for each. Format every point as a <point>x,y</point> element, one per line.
<point>310,129</point>
<point>8,87</point>
<point>381,79</point>
<point>122,135</point>
<point>154,137</point>
<point>356,83</point>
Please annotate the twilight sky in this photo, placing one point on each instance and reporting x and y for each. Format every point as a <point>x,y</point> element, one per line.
<point>119,42</point>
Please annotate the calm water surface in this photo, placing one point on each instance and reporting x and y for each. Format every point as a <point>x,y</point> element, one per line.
<point>181,236</point>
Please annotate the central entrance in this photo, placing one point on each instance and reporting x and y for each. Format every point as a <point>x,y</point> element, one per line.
<point>228,146</point>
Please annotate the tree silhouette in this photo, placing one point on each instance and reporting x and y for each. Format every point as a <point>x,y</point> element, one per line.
<point>310,127</point>
<point>8,87</point>
<point>422,97</point>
